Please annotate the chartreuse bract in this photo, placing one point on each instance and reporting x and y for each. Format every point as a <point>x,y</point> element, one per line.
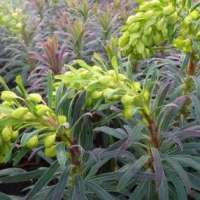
<point>158,23</point>
<point>110,86</point>
<point>27,121</point>
<point>11,18</point>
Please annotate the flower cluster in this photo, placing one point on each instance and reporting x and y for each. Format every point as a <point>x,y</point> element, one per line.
<point>153,24</point>
<point>108,85</point>
<point>11,19</point>
<point>189,32</point>
<point>40,125</point>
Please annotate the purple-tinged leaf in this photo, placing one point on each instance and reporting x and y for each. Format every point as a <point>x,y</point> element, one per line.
<point>181,173</point>
<point>171,110</point>
<point>132,171</point>
<point>157,165</point>
<point>183,134</point>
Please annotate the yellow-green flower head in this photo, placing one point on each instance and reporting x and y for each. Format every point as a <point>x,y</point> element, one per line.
<point>147,28</point>
<point>50,151</point>
<point>19,113</point>
<point>8,96</point>
<point>32,142</point>
<point>42,109</point>
<point>34,97</point>
<point>109,86</point>
<point>6,134</point>
<point>49,140</point>
<point>11,19</point>
<point>62,119</point>
<point>188,34</point>
<point>154,25</point>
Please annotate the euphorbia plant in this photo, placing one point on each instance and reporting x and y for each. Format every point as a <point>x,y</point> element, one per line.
<point>107,85</point>
<point>11,19</point>
<point>27,121</point>
<point>159,23</point>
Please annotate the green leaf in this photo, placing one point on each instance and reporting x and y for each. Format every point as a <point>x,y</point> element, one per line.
<point>44,180</point>
<point>111,132</point>
<point>171,111</point>
<point>181,193</point>
<point>61,185</point>
<point>18,175</point>
<point>181,173</point>
<point>163,189</point>
<point>160,98</point>
<point>4,196</point>
<point>138,192</point>
<point>61,154</point>
<point>99,191</point>
<point>132,170</point>
<point>19,155</point>
<point>20,86</point>
<point>50,89</point>
<point>79,190</point>
<point>188,161</point>
<point>115,64</point>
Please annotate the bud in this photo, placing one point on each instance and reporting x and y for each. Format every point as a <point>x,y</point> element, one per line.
<point>194,15</point>
<point>165,32</point>
<point>168,10</point>
<point>127,100</point>
<point>140,47</point>
<point>178,42</point>
<point>19,25</point>
<point>32,142</point>
<point>49,140</point>
<point>107,93</point>
<point>131,19</point>
<point>29,116</point>
<point>62,119</point>
<point>173,18</point>
<point>96,94</point>
<point>124,39</point>
<point>19,112</point>
<point>136,86</point>
<point>134,27</point>
<point>8,103</point>
<point>42,109</point>
<point>160,24</point>
<point>157,37</point>
<point>51,151</point>
<point>188,20</point>
<point>146,95</point>
<point>6,134</point>
<point>148,31</point>
<point>187,45</point>
<point>14,135</point>
<point>34,97</point>
<point>8,96</point>
<point>149,14</point>
<point>128,112</point>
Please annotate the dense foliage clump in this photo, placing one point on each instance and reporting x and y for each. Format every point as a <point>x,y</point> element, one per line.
<point>99,100</point>
<point>157,23</point>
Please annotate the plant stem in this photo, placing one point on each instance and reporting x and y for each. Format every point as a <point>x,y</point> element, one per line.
<point>191,67</point>
<point>153,130</point>
<point>154,133</point>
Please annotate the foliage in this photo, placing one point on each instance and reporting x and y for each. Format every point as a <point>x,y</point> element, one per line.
<point>158,23</point>
<point>29,112</point>
<point>11,19</point>
<point>96,113</point>
<point>110,85</point>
